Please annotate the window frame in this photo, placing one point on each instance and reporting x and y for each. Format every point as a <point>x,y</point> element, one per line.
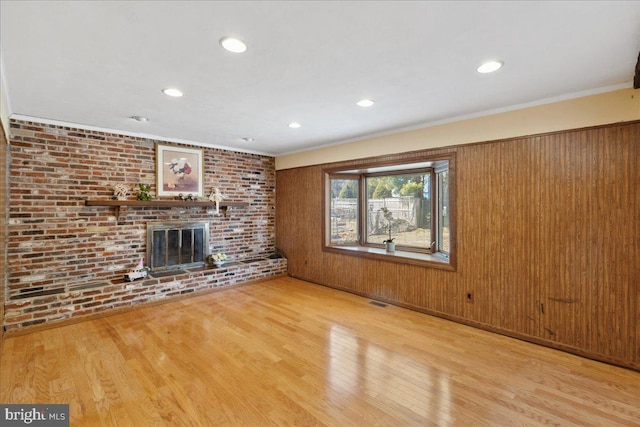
<point>328,209</point>
<point>437,216</point>
<point>362,217</point>
<point>403,254</point>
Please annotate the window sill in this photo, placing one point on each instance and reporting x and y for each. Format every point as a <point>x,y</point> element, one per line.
<point>401,257</point>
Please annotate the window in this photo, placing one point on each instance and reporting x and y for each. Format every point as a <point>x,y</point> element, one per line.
<point>344,211</point>
<point>399,207</point>
<point>409,203</point>
<point>442,217</point>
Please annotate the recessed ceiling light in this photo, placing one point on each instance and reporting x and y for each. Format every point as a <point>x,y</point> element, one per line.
<point>490,67</point>
<point>247,139</point>
<point>170,91</point>
<point>294,125</point>
<point>365,103</point>
<point>139,118</point>
<point>233,45</point>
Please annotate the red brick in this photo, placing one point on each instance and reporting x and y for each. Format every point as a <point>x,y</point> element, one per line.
<point>57,246</point>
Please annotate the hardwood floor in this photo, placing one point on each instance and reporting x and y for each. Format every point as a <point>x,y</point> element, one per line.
<point>286,352</point>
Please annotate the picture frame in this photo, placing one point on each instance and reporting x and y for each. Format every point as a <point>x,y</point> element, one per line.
<point>179,171</point>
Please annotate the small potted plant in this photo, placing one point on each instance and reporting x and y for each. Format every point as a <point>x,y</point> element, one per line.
<point>144,192</point>
<point>389,244</point>
<point>218,258</point>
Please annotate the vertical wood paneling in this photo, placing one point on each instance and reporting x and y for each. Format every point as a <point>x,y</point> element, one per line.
<point>563,294</point>
<point>299,221</point>
<point>548,242</point>
<point>632,137</point>
<point>530,257</point>
<point>614,232</point>
<point>518,289</point>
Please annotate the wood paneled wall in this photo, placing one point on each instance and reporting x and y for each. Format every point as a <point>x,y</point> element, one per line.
<point>548,242</point>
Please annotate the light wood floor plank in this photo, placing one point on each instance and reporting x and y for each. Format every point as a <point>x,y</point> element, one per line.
<point>286,352</point>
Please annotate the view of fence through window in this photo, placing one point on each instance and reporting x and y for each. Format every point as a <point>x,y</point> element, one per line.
<point>344,211</point>
<point>406,201</point>
<point>399,206</point>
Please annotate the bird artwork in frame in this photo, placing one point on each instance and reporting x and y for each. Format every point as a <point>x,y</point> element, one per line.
<point>179,170</point>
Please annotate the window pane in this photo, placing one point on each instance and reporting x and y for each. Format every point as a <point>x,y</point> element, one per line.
<point>443,212</point>
<point>344,211</point>
<point>402,202</point>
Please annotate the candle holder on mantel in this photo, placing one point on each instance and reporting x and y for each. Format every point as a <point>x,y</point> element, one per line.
<point>216,197</point>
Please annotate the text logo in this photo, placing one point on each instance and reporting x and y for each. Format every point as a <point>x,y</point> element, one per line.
<point>34,415</point>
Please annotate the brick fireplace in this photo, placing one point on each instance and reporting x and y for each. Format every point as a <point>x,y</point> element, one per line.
<point>67,260</point>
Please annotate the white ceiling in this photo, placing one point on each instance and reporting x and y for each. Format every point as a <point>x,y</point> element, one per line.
<point>96,63</point>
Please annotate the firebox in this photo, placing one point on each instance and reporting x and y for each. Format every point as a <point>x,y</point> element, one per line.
<point>174,245</point>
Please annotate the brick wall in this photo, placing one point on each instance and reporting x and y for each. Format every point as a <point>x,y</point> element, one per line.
<point>67,260</point>
<point>3,226</point>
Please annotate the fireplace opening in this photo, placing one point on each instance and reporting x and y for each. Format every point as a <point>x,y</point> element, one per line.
<point>174,245</point>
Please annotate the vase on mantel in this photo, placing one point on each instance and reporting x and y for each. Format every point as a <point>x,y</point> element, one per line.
<point>219,263</point>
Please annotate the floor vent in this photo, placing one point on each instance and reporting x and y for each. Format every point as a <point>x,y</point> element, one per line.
<point>167,273</point>
<point>379,304</point>
<point>85,286</point>
<point>250,261</point>
<point>37,292</point>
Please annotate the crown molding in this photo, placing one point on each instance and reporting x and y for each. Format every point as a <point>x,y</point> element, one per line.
<point>60,123</point>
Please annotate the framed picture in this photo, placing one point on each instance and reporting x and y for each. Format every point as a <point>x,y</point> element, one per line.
<point>179,170</point>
